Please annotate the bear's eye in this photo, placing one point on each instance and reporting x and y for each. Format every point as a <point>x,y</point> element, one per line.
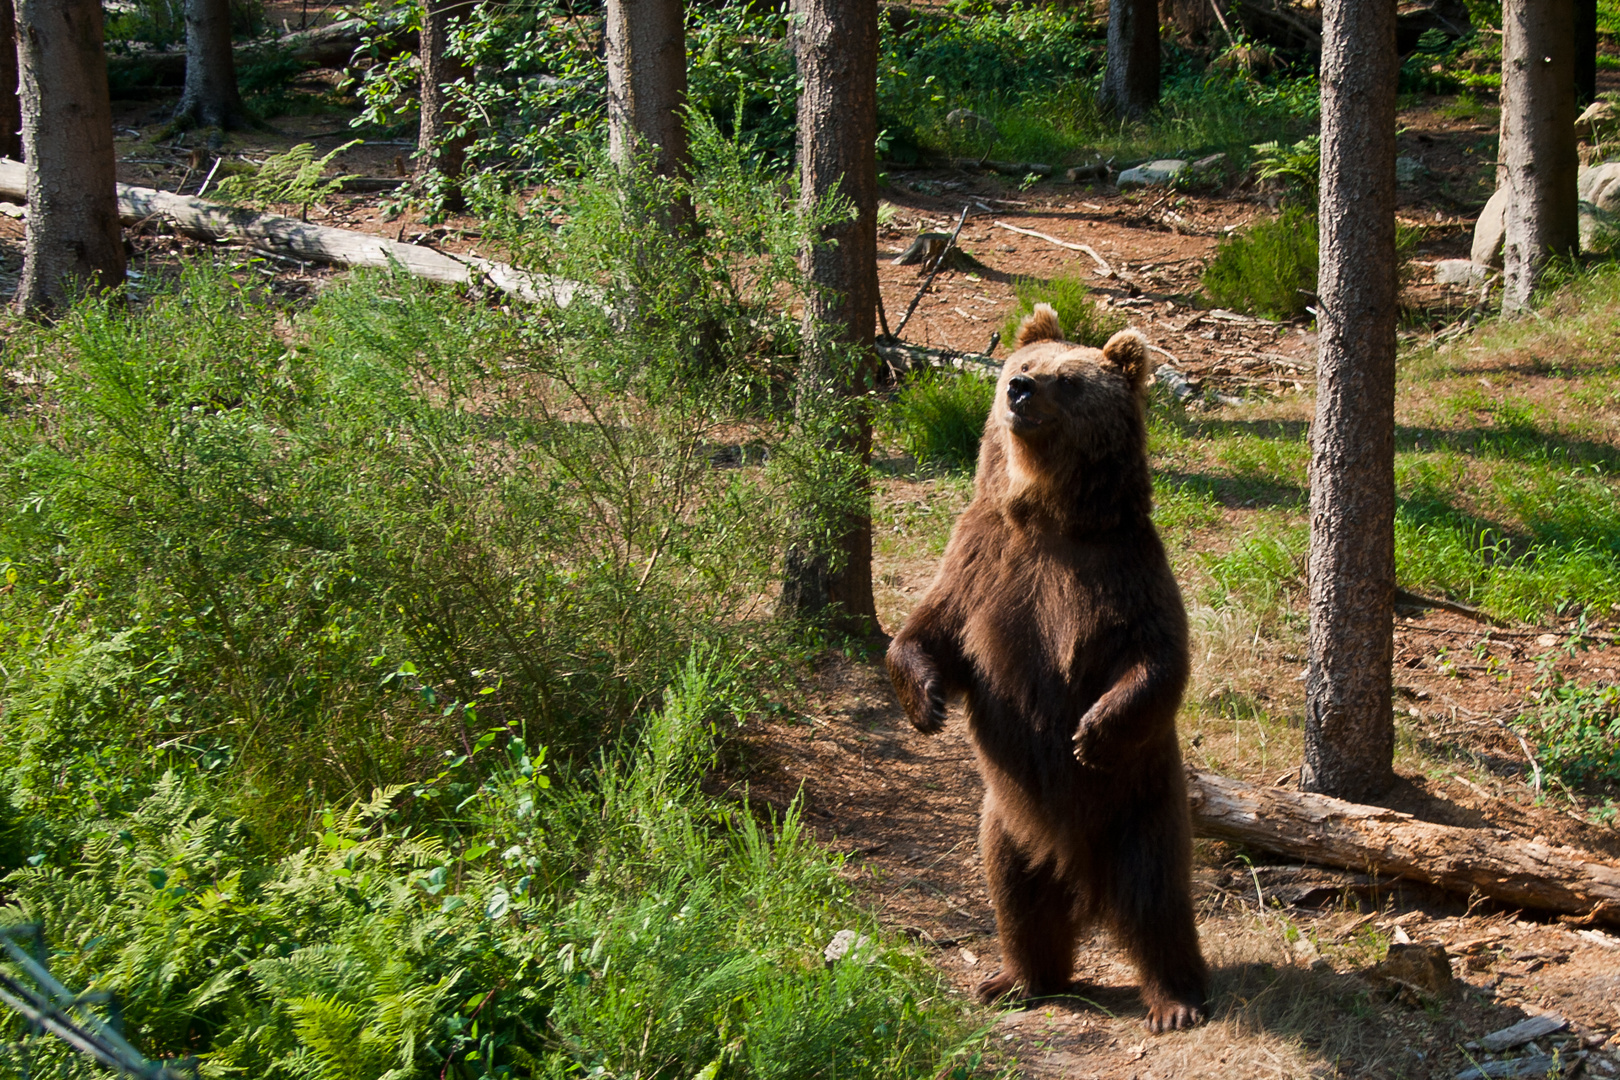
<point>1065,381</point>
<point>1024,368</point>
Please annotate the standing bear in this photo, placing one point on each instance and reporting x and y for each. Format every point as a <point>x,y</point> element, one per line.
<point>1056,616</point>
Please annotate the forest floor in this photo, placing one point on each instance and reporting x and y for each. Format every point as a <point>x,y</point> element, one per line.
<point>1290,946</point>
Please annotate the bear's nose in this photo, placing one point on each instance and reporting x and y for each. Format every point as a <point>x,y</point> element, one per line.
<point>1019,388</point>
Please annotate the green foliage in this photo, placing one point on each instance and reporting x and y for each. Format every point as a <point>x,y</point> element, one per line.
<point>938,417</point>
<point>297,176</point>
<point>1084,322</point>
<point>1297,167</point>
<point>1427,69</point>
<point>161,24</point>
<point>1269,270</point>
<point>490,923</point>
<point>1576,729</point>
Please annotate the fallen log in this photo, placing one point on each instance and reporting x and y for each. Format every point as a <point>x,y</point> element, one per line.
<point>289,237</point>
<point>1332,832</point>
<point>330,46</point>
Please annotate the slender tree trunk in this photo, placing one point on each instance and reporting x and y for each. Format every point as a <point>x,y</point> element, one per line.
<point>646,67</point>
<point>1586,42</point>
<point>836,42</point>
<point>1538,113</point>
<point>437,150</point>
<point>1130,88</point>
<point>210,98</point>
<point>1349,727</point>
<point>74,240</point>
<point>10,104</point>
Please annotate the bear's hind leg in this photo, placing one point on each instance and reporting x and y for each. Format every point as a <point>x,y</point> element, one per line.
<point>1149,893</point>
<point>1035,917</point>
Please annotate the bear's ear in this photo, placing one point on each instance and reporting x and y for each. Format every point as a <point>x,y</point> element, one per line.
<point>1128,351</point>
<point>1042,324</point>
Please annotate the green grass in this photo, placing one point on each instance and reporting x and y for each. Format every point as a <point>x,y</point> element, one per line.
<point>1269,269</point>
<point>1084,321</point>
<point>938,417</point>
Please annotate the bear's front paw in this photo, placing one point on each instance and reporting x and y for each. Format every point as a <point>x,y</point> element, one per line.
<point>1085,745</point>
<point>929,715</point>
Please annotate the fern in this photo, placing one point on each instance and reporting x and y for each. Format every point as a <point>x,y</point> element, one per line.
<point>297,176</point>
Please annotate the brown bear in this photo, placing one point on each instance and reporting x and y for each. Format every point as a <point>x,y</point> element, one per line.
<point>1055,614</point>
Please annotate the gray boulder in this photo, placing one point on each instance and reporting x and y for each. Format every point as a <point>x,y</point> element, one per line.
<point>968,120</point>
<point>1598,189</point>
<point>1151,174</point>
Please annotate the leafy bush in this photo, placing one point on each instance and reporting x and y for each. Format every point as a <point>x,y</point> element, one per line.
<point>297,176</point>
<point>1083,321</point>
<point>1268,270</point>
<point>613,921</point>
<point>1576,729</point>
<point>939,416</point>
<point>1297,167</point>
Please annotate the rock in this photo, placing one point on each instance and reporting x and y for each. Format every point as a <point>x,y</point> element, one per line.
<point>1523,1032</point>
<point>968,120</point>
<point>1464,272</point>
<point>843,944</point>
<point>1409,170</point>
<point>1600,116</point>
<point>1175,382</point>
<point>1489,230</point>
<point>1599,191</point>
<point>1422,968</point>
<point>1152,173</point>
<point>1204,164</point>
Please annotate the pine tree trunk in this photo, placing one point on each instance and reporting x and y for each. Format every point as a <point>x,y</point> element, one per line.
<point>74,240</point>
<point>10,105</point>
<point>437,150</point>
<point>1130,88</point>
<point>1541,163</point>
<point>835,43</point>
<point>646,67</point>
<point>1349,727</point>
<point>1586,43</point>
<point>210,97</point>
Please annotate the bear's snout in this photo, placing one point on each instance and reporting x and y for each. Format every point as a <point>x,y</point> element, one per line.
<point>1019,389</point>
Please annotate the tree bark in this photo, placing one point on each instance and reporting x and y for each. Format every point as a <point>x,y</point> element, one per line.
<point>1349,727</point>
<point>1586,43</point>
<point>330,46</point>
<point>290,237</point>
<point>1538,151</point>
<point>1333,832</point>
<point>438,149</point>
<point>74,240</point>
<point>210,98</point>
<point>835,43</point>
<point>1130,88</point>
<point>10,104</point>
<point>646,69</point>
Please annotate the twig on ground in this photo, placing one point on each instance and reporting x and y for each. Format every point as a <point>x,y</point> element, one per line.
<point>1165,352</point>
<point>209,179</point>
<point>1103,268</point>
<point>929,280</point>
<point>1535,766</point>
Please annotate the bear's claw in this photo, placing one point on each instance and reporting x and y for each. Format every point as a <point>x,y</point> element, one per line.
<point>1174,1016</point>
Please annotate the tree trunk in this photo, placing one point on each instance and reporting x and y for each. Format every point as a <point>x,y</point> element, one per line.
<point>1538,116</point>
<point>646,68</point>
<point>210,98</point>
<point>74,240</point>
<point>1586,43</point>
<point>1368,839</point>
<point>835,43</point>
<point>438,150</point>
<point>1130,88</point>
<point>10,105</point>
<point>1349,727</point>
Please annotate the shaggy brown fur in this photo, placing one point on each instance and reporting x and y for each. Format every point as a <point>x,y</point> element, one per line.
<point>1055,613</point>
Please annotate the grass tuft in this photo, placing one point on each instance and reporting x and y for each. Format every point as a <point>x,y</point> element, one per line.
<point>1084,322</point>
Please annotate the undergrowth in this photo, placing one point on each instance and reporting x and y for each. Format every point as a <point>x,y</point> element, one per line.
<point>1083,321</point>
<point>939,416</point>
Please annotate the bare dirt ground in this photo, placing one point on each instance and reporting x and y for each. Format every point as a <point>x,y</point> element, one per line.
<point>1291,947</point>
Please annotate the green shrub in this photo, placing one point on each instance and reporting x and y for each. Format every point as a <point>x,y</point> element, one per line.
<point>489,923</point>
<point>1576,729</point>
<point>939,416</point>
<point>1268,270</point>
<point>1084,322</point>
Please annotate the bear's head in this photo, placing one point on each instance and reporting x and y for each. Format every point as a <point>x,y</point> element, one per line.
<point>1068,431</point>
